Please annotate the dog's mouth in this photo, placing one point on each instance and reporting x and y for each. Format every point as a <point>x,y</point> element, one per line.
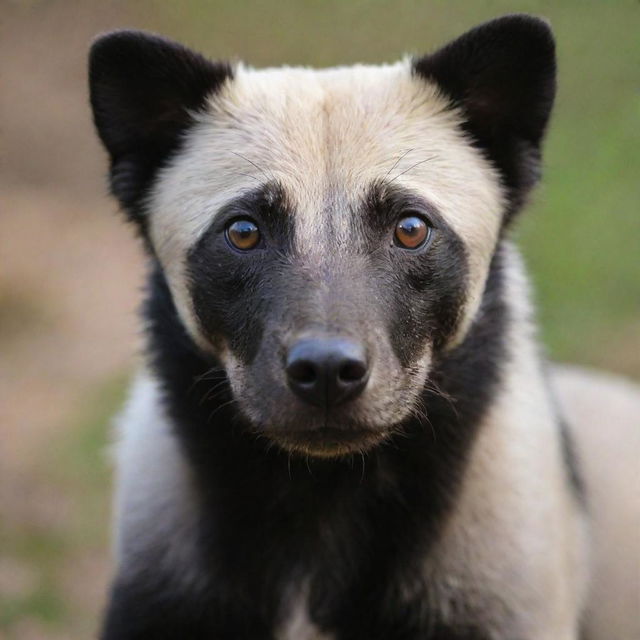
<point>327,442</point>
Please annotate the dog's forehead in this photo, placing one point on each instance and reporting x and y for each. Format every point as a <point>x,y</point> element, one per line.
<point>325,136</point>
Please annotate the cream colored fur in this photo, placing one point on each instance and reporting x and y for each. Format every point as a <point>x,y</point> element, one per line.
<point>604,415</point>
<point>514,553</point>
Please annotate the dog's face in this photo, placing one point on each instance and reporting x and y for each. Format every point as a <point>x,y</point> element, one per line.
<point>326,234</point>
<point>337,215</point>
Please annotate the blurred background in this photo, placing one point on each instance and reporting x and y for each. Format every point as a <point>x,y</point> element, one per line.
<point>71,270</point>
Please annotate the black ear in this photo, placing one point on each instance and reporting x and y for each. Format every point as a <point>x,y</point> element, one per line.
<point>143,91</point>
<point>502,74</point>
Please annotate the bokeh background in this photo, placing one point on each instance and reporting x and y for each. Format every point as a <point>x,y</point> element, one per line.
<point>71,271</point>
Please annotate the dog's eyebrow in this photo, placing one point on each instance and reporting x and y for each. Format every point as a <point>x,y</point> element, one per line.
<point>269,177</point>
<point>268,203</point>
<point>385,202</point>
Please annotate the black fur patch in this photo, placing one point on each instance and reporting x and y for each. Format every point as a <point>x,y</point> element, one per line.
<point>429,283</point>
<point>570,457</point>
<point>232,290</point>
<point>358,534</point>
<point>503,75</point>
<point>571,462</point>
<point>142,89</point>
<point>235,292</point>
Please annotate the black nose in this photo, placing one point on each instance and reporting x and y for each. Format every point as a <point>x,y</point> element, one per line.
<point>327,371</point>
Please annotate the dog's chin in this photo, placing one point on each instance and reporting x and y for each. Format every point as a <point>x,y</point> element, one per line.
<point>312,432</point>
<point>327,442</point>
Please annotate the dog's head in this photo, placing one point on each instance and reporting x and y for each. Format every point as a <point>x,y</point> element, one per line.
<point>326,234</point>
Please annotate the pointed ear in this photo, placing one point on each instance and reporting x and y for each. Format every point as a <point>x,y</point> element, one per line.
<point>143,91</point>
<point>503,76</point>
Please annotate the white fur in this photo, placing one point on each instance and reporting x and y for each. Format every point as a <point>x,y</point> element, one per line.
<point>514,550</point>
<point>156,507</point>
<point>604,414</point>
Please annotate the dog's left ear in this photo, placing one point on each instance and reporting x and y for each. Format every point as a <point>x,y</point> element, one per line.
<point>503,76</point>
<point>144,90</point>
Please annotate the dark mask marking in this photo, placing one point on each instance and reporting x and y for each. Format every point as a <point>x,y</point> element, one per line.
<point>428,285</point>
<point>231,290</point>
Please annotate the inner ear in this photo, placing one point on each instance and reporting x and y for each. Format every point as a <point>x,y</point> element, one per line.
<point>502,74</point>
<point>144,90</point>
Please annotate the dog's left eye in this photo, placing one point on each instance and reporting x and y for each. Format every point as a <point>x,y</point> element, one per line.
<point>243,235</point>
<point>412,232</point>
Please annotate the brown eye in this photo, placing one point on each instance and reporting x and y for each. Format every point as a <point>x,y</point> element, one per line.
<point>412,232</point>
<point>243,235</point>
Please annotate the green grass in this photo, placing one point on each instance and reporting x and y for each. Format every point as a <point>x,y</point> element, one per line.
<point>43,550</point>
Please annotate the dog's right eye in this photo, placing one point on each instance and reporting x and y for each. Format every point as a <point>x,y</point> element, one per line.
<point>243,235</point>
<point>412,232</point>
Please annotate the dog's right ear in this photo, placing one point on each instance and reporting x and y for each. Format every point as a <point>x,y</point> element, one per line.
<point>144,90</point>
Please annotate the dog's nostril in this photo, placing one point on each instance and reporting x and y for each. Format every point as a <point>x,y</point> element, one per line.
<point>327,371</point>
<point>302,371</point>
<point>352,371</point>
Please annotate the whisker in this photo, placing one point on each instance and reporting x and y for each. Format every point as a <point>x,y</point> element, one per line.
<point>397,162</point>
<point>215,392</point>
<point>214,373</point>
<point>247,175</point>
<point>217,409</point>
<point>433,387</point>
<point>252,163</point>
<point>413,166</point>
<point>420,412</point>
<point>203,376</point>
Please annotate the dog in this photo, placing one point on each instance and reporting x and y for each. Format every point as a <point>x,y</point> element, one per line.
<point>344,428</point>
